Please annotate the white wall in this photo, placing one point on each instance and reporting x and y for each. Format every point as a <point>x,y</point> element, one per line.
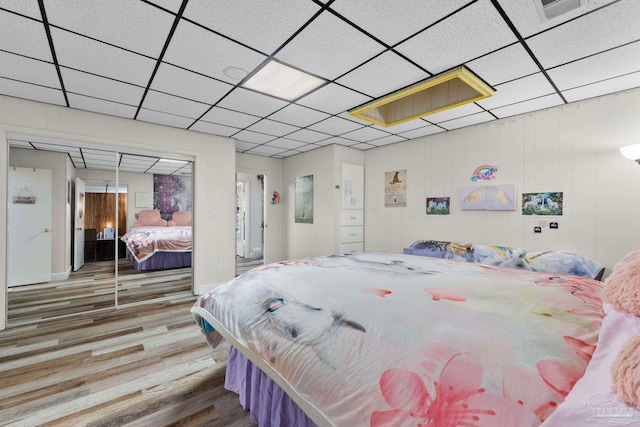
<point>214,163</point>
<point>57,162</point>
<point>572,148</point>
<point>272,169</point>
<point>135,182</point>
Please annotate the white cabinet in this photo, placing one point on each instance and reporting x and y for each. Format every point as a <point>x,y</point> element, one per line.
<point>352,213</point>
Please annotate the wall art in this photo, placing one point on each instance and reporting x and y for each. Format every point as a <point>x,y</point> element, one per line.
<point>275,199</point>
<point>550,203</point>
<point>395,188</point>
<point>303,190</point>
<point>484,173</point>
<point>172,194</point>
<point>438,205</point>
<point>488,197</point>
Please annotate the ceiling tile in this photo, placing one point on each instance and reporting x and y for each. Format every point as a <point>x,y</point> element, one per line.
<point>243,146</point>
<point>453,113</point>
<point>392,22</point>
<point>262,24</point>
<point>264,150</point>
<point>491,68</point>
<point>527,106</point>
<point>132,25</point>
<point>517,91</point>
<point>337,140</point>
<point>164,119</point>
<point>403,127</point>
<point>99,106</point>
<point>15,30</point>
<point>467,121</point>
<point>524,16</point>
<point>365,134</point>
<point>289,153</point>
<point>28,70</point>
<point>19,143</point>
<point>335,126</point>
<point>98,58</point>
<point>307,147</point>
<point>213,128</point>
<point>472,32</point>
<point>588,35</point>
<point>99,87</point>
<point>306,135</point>
<point>229,118</point>
<point>387,140</point>
<point>423,131</point>
<point>273,128</point>
<point>29,91</point>
<point>329,47</point>
<point>602,88</point>
<point>24,7</point>
<point>186,84</point>
<point>251,102</point>
<point>333,99</point>
<point>255,137</point>
<point>172,5</point>
<point>289,144</point>
<point>197,49</point>
<point>613,63</point>
<point>386,73</point>
<point>298,116</point>
<point>363,146</point>
<point>174,105</point>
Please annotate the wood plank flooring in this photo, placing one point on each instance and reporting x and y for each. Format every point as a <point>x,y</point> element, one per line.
<point>92,288</point>
<point>138,366</point>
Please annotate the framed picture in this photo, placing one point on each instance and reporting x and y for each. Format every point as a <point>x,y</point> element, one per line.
<point>438,205</point>
<point>303,191</point>
<point>488,197</point>
<point>473,198</point>
<point>550,203</point>
<point>395,188</point>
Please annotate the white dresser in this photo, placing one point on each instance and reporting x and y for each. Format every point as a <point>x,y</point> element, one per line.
<point>352,211</point>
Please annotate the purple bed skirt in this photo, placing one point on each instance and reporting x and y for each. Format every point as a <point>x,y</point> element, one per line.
<point>270,406</point>
<point>162,261</point>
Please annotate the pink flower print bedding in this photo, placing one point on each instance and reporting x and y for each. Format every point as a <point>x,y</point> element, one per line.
<point>400,340</point>
<point>143,242</point>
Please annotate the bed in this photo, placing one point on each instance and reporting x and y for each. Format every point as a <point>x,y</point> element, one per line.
<point>156,244</point>
<point>392,340</point>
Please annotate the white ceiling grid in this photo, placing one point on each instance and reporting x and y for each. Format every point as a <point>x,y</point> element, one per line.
<point>167,61</point>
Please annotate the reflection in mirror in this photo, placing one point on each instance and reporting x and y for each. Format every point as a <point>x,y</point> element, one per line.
<point>157,239</point>
<point>48,213</point>
<point>250,207</point>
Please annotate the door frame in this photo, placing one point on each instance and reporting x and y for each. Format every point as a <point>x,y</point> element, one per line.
<point>265,197</point>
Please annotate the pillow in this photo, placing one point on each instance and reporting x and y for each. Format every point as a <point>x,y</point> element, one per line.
<point>622,287</point>
<point>625,372</point>
<point>180,218</point>
<point>149,218</point>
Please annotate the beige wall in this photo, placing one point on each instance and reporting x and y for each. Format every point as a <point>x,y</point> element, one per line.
<point>215,162</point>
<point>57,162</point>
<point>572,148</point>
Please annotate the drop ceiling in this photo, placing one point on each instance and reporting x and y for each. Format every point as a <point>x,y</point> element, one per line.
<point>169,61</point>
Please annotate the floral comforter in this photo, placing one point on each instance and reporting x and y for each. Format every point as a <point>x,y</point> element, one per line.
<point>400,340</point>
<point>143,242</point>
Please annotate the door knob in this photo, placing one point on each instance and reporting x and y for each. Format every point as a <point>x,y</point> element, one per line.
<point>79,228</point>
<point>45,230</point>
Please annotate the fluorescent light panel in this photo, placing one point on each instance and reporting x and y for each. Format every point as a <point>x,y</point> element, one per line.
<point>173,161</point>
<point>631,152</point>
<point>282,81</point>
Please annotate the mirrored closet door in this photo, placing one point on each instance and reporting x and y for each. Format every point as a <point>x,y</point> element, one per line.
<point>71,212</point>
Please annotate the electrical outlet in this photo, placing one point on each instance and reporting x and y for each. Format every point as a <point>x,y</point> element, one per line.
<point>553,225</point>
<point>537,229</point>
<point>214,215</point>
<point>219,269</point>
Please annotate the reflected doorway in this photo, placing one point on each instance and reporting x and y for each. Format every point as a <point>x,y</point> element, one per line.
<point>250,219</point>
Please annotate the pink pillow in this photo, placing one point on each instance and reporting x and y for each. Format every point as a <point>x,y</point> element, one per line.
<point>625,372</point>
<point>622,287</point>
<point>180,218</point>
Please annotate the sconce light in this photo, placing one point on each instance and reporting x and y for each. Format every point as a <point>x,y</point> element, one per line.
<point>631,152</point>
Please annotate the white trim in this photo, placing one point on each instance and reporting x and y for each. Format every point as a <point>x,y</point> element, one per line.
<point>55,277</point>
<point>201,289</point>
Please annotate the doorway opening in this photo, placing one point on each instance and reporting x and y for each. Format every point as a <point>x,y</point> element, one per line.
<point>250,217</point>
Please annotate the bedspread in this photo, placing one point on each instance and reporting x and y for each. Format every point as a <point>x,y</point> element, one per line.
<point>143,242</point>
<point>387,339</point>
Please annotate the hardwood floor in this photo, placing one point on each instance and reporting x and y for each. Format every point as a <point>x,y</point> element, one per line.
<point>245,264</point>
<point>138,366</point>
<point>92,288</point>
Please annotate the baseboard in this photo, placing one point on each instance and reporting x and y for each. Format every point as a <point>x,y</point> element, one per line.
<point>61,276</point>
<point>201,289</point>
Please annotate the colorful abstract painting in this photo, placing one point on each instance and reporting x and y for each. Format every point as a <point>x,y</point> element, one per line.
<point>303,189</point>
<point>172,194</point>
<point>550,203</point>
<point>438,205</point>
<point>395,188</point>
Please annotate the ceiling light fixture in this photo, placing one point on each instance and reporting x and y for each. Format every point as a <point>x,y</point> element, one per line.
<point>442,92</point>
<point>631,152</point>
<point>549,9</point>
<point>172,161</point>
<point>282,81</point>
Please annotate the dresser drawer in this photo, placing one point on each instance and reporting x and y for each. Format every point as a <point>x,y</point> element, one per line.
<point>352,217</point>
<point>351,234</point>
<point>352,248</point>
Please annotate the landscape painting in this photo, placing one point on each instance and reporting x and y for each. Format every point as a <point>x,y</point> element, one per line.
<point>550,203</point>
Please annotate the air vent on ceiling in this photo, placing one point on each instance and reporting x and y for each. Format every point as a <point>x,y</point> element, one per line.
<point>549,9</point>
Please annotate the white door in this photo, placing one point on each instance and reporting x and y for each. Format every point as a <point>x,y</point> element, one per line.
<point>241,202</point>
<point>78,226</point>
<point>29,226</point>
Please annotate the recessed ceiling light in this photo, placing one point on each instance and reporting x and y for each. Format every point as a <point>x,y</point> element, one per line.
<point>172,161</point>
<point>282,81</point>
